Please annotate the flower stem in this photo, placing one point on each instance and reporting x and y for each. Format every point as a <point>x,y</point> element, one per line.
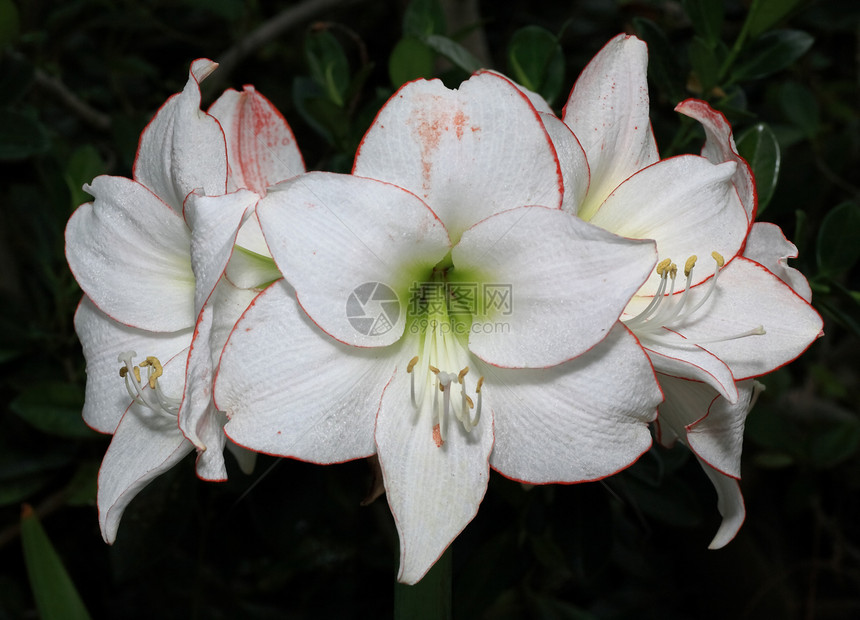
<point>428,599</point>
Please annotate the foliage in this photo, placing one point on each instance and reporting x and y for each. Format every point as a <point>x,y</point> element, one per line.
<point>79,80</point>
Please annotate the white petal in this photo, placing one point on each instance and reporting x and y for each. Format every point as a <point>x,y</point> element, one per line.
<point>261,148</point>
<point>767,245</point>
<point>197,414</point>
<point>672,355</point>
<point>145,445</point>
<point>718,437</point>
<point>468,153</point>
<point>720,147</point>
<point>331,234</point>
<point>210,462</point>
<point>569,282</point>
<point>291,390</point>
<point>685,402</point>
<point>433,491</point>
<point>748,296</point>
<point>214,223</point>
<point>131,255</point>
<point>571,157</point>
<point>244,457</point>
<point>103,339</point>
<point>183,148</point>
<point>608,111</point>
<point>686,204</point>
<point>730,503</point>
<point>583,420</point>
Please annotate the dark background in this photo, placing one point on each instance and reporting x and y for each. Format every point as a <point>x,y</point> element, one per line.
<point>80,79</point>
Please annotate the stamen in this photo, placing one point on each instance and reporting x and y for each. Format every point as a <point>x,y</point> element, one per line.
<point>719,258</point>
<point>688,266</point>
<point>162,404</point>
<point>462,374</point>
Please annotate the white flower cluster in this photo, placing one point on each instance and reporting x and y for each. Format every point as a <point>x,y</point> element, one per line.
<point>233,299</point>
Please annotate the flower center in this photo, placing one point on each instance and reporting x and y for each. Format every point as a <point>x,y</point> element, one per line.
<point>667,309</point>
<point>438,384</point>
<point>153,398</point>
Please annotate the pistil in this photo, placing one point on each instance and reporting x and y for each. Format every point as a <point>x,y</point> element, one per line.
<point>147,393</point>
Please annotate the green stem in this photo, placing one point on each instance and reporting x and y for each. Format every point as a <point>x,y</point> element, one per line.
<point>428,599</point>
<point>739,42</point>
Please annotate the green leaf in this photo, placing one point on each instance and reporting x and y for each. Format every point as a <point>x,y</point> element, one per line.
<point>772,52</point>
<point>663,68</point>
<point>836,443</point>
<point>20,136</point>
<point>839,239</point>
<point>758,145</point>
<point>328,64</point>
<point>707,18</point>
<point>55,594</point>
<point>16,75</point>
<point>704,63</point>
<point>81,490</point>
<point>410,59</point>
<point>799,105</point>
<point>536,61</point>
<point>53,408</point>
<point>773,460</point>
<point>9,23</point>
<point>84,164</point>
<point>765,13</point>
<point>423,18</point>
<point>306,90</point>
<point>453,51</point>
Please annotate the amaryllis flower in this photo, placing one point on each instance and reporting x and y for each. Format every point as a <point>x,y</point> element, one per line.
<point>709,313</point>
<point>150,263</point>
<point>444,314</point>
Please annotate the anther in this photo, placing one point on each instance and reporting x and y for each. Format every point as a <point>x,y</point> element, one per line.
<point>411,365</point>
<point>462,374</point>
<point>719,258</point>
<point>662,266</point>
<point>688,266</point>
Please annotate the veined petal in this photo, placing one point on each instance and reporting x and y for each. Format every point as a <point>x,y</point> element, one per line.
<point>569,283</point>
<point>571,157</point>
<point>468,153</point>
<point>210,462</point>
<point>261,148</point>
<point>331,234</point>
<point>720,147</point>
<point>718,437</point>
<point>291,390</point>
<point>748,296</point>
<point>685,402</point>
<point>583,420</point>
<point>131,255</point>
<point>196,413</point>
<point>103,339</point>
<point>686,204</point>
<point>433,490</point>
<point>214,223</point>
<point>672,355</point>
<point>183,148</point>
<point>730,503</point>
<point>767,245</point>
<point>145,445</point>
<point>608,111</point>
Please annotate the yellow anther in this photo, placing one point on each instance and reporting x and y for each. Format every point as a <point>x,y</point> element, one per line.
<point>411,365</point>
<point>662,266</point>
<point>673,270</point>
<point>157,369</point>
<point>469,400</point>
<point>123,371</point>
<point>478,387</point>
<point>433,369</point>
<point>462,374</point>
<point>136,371</point>
<point>719,258</point>
<point>688,266</point>
<point>442,387</point>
